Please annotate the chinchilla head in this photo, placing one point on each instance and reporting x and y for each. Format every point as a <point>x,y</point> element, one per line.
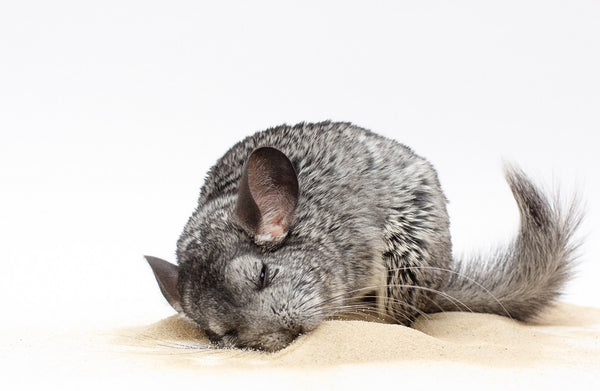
<point>241,277</point>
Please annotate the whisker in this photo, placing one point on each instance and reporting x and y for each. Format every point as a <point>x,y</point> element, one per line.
<point>365,310</point>
<point>452,299</point>
<point>374,287</point>
<point>149,342</point>
<point>337,304</point>
<point>462,275</point>
<point>365,313</point>
<point>325,305</point>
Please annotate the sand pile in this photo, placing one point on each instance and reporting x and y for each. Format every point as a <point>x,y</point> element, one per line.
<point>455,350</point>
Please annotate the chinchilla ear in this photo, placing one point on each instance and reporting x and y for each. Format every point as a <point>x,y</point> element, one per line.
<point>166,275</point>
<point>267,195</point>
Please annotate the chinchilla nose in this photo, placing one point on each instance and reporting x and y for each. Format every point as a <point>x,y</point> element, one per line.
<point>284,337</point>
<point>295,331</point>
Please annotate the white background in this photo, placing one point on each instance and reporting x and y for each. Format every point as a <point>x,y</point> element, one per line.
<point>112,112</point>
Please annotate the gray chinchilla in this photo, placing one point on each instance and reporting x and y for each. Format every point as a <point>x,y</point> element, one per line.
<point>297,224</point>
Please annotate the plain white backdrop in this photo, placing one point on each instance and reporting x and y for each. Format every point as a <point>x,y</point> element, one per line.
<point>112,112</point>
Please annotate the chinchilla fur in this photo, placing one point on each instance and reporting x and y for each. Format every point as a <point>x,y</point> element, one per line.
<point>297,224</point>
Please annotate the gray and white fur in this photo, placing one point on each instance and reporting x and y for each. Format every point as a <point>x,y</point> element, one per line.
<point>297,224</point>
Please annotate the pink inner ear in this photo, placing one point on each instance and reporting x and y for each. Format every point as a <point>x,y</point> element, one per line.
<point>274,204</point>
<point>276,231</point>
<point>273,225</point>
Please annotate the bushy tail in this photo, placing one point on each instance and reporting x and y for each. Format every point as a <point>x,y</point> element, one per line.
<point>526,276</point>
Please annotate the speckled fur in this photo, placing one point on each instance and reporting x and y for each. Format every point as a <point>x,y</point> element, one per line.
<point>371,220</point>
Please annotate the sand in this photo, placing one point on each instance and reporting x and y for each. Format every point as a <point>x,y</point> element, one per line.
<point>451,350</point>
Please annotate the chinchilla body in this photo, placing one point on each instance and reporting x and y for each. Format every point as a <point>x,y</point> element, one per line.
<point>296,224</point>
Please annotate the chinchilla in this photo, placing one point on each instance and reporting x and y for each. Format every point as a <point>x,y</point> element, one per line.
<point>297,224</point>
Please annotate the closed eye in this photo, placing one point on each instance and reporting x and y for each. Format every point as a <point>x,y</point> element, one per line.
<point>263,277</point>
<point>266,276</point>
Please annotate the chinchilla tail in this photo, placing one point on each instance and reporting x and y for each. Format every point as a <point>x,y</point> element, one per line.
<point>527,275</point>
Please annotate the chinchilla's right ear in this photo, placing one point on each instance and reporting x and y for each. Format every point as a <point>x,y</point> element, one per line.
<point>267,196</point>
<point>166,275</point>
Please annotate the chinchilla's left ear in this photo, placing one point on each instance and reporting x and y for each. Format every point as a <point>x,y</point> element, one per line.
<point>166,275</point>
